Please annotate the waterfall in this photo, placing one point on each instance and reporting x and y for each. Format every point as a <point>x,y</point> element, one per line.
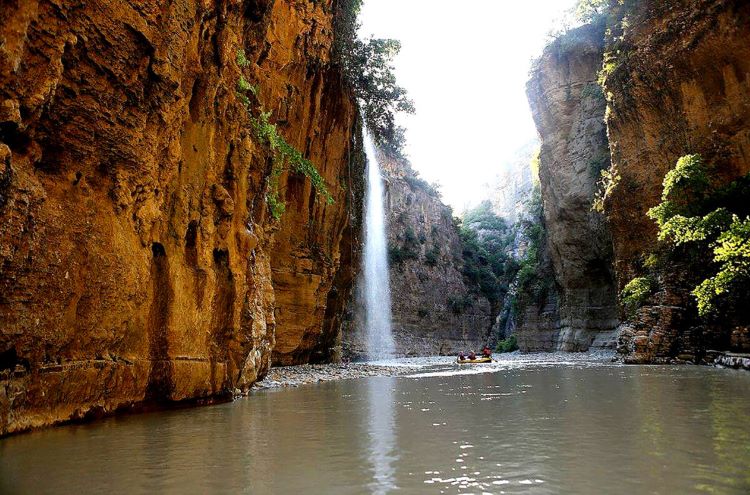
<point>377,291</point>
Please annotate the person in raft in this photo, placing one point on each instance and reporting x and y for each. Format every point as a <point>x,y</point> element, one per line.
<point>472,355</point>
<point>461,356</point>
<point>486,352</point>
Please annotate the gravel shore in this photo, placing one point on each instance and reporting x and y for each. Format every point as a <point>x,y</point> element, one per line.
<point>294,376</point>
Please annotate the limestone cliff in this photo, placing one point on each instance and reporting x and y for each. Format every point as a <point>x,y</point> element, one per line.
<point>678,82</point>
<point>513,186</point>
<point>435,311</point>
<point>138,258</point>
<point>568,108</point>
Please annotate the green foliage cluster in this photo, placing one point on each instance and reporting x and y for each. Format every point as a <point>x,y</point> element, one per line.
<point>706,221</point>
<point>416,182</point>
<point>487,263</point>
<point>593,90</point>
<point>243,86</point>
<point>408,250</point>
<point>636,292</point>
<point>398,254</point>
<point>285,156</point>
<point>242,60</point>
<point>368,68</point>
<point>507,345</point>
<point>609,180</point>
<point>732,282</point>
<point>533,280</point>
<point>588,11</point>
<point>432,256</point>
<point>459,304</point>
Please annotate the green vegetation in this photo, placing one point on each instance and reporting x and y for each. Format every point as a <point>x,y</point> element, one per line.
<point>416,182</point>
<point>636,292</point>
<point>368,69</point>
<point>732,281</point>
<point>592,90</point>
<point>459,304</point>
<point>702,221</point>
<point>507,345</point>
<point>587,11</point>
<point>486,239</point>
<point>243,86</point>
<point>534,277</point>
<point>285,156</point>
<point>432,256</point>
<point>242,60</point>
<point>408,249</point>
<point>609,180</point>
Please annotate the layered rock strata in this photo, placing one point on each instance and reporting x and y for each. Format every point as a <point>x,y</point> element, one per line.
<point>568,107</point>
<point>139,261</point>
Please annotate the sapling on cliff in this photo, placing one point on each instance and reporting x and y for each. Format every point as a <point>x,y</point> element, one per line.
<point>697,214</point>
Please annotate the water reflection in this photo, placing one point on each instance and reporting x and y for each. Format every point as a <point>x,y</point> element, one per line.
<point>533,429</point>
<point>381,432</point>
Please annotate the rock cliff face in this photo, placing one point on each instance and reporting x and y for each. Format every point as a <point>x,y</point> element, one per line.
<point>568,108</point>
<point>678,83</point>
<point>434,310</point>
<point>138,258</point>
<point>514,185</point>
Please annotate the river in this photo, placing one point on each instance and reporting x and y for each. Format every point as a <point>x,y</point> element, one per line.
<point>531,425</point>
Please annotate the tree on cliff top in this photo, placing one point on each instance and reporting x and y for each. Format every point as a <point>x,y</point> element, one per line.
<point>368,69</point>
<point>587,11</point>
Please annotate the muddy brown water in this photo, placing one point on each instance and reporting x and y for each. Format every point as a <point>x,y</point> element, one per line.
<point>536,426</point>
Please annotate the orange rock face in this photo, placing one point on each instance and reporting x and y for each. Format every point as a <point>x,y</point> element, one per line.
<point>680,85</point>
<point>138,258</point>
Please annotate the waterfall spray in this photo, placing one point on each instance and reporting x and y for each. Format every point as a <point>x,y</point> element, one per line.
<point>380,343</point>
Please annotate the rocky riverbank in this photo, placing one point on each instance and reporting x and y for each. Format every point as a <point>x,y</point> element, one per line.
<point>294,376</point>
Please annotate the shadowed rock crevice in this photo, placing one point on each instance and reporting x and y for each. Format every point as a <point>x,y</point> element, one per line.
<point>160,375</point>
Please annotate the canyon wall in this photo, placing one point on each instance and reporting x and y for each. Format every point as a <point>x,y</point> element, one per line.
<point>514,185</point>
<point>568,108</point>
<point>139,261</point>
<point>678,83</point>
<point>434,310</point>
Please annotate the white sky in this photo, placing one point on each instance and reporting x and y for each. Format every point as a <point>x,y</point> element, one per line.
<point>465,64</point>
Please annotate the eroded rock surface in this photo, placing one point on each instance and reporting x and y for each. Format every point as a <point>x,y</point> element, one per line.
<point>434,310</point>
<point>138,258</point>
<point>568,107</point>
<point>678,84</point>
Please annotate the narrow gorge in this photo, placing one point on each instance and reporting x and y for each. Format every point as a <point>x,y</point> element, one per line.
<point>183,193</point>
<point>459,285</point>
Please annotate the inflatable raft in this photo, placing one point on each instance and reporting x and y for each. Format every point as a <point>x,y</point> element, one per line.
<point>475,361</point>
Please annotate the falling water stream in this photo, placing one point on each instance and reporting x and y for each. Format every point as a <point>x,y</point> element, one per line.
<point>377,290</point>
